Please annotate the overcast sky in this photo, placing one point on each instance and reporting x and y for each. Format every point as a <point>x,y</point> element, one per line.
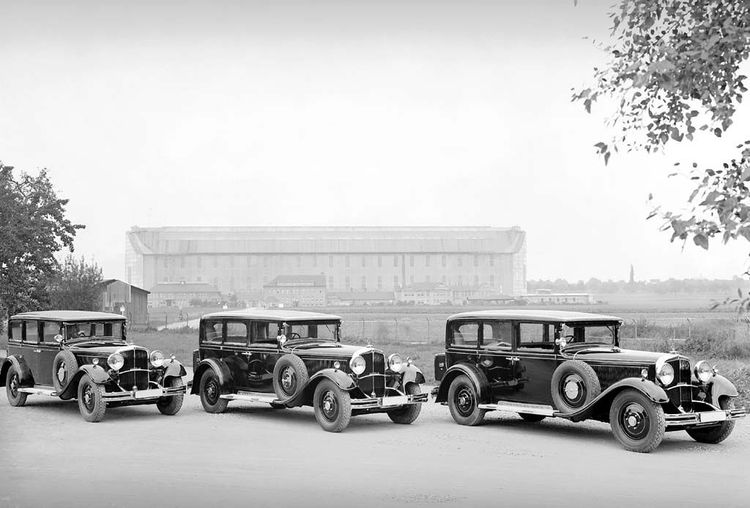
<point>347,112</point>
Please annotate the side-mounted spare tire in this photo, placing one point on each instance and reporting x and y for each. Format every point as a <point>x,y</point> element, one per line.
<point>290,378</point>
<point>574,385</point>
<point>64,369</point>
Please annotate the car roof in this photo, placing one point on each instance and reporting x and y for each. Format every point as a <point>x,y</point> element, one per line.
<point>69,315</point>
<point>272,315</point>
<point>549,316</point>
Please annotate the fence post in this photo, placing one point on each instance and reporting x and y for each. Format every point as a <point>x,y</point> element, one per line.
<point>428,329</point>
<point>635,327</point>
<point>395,320</point>
<point>363,328</point>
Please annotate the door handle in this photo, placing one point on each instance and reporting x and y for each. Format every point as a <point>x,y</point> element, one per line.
<point>514,359</point>
<point>37,350</point>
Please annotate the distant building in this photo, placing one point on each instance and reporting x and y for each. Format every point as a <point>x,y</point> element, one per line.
<point>358,298</point>
<point>296,291</point>
<point>242,260</point>
<point>559,298</point>
<point>424,293</point>
<point>122,298</point>
<point>184,294</point>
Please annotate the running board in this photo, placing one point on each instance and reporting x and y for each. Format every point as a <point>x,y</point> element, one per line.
<point>519,407</point>
<point>39,391</point>
<point>252,397</point>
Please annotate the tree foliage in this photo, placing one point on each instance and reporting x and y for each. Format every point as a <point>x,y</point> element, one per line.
<point>33,227</point>
<point>77,286</point>
<point>675,70</point>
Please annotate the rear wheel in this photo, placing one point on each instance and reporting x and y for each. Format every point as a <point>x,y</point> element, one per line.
<point>91,401</point>
<point>12,385</point>
<point>718,433</point>
<point>463,402</point>
<point>408,413</point>
<point>210,390</point>
<point>171,405</point>
<point>637,422</point>
<point>333,406</point>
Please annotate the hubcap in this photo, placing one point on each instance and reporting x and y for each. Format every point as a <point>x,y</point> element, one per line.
<point>211,391</point>
<point>329,405</point>
<point>14,385</point>
<point>573,390</point>
<point>61,372</point>
<point>465,401</point>
<point>288,380</point>
<point>634,420</point>
<point>88,398</point>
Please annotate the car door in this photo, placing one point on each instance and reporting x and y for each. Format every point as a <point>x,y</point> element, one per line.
<point>496,357</point>
<point>462,342</point>
<point>234,351</point>
<point>32,353</point>
<point>48,349</point>
<point>534,361</point>
<point>262,354</point>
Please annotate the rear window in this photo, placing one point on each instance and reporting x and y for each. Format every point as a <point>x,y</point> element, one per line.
<point>212,331</point>
<point>465,334</point>
<point>236,333</point>
<point>32,332</point>
<point>15,330</point>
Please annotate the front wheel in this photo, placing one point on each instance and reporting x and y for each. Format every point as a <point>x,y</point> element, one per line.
<point>637,422</point>
<point>91,401</point>
<point>16,398</point>
<point>463,402</point>
<point>171,405</point>
<point>333,406</point>
<point>408,413</point>
<point>210,390</point>
<point>718,433</point>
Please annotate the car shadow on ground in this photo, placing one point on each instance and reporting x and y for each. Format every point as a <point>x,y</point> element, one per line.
<point>43,407</point>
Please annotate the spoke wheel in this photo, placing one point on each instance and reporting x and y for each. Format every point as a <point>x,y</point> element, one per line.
<point>91,401</point>
<point>332,405</point>
<point>637,422</point>
<point>463,402</point>
<point>12,384</point>
<point>210,391</point>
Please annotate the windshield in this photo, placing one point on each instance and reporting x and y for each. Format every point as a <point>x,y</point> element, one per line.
<point>98,329</point>
<point>589,334</point>
<point>312,331</point>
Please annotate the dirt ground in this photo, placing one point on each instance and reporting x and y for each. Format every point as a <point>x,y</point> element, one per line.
<point>254,455</point>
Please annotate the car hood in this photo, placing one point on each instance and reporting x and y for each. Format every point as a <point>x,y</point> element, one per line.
<point>326,349</point>
<point>606,354</point>
<point>88,348</point>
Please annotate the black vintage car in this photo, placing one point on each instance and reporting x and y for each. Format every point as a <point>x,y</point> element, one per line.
<point>293,358</point>
<point>84,355</point>
<point>569,365</point>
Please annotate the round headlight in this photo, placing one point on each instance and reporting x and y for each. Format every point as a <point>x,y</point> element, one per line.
<point>357,365</point>
<point>703,371</point>
<point>665,373</point>
<point>395,363</point>
<point>115,361</point>
<point>156,358</point>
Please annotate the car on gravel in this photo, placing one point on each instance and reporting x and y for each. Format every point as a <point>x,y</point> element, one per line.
<point>85,356</point>
<point>295,358</point>
<point>540,364</point>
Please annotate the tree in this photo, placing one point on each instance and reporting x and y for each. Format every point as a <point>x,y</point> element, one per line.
<point>674,71</point>
<point>77,286</point>
<point>33,227</point>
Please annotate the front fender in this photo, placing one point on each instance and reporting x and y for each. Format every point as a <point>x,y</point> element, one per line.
<point>174,369</point>
<point>721,387</point>
<point>601,404</point>
<point>477,377</point>
<point>24,372</point>
<point>97,374</point>
<point>221,369</point>
<point>412,374</point>
<point>342,379</point>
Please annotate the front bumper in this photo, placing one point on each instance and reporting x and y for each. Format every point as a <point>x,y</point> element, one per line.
<point>389,402</point>
<point>703,418</point>
<point>148,394</point>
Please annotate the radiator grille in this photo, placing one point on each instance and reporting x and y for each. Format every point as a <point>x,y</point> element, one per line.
<point>373,378</point>
<point>134,359</point>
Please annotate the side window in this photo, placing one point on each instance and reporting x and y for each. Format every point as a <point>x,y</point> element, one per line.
<point>15,330</point>
<point>535,336</point>
<point>49,330</point>
<point>465,334</point>
<point>32,332</point>
<point>212,331</point>
<point>265,332</point>
<point>236,333</point>
<point>497,335</point>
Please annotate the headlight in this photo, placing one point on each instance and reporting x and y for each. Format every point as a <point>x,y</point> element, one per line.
<point>395,363</point>
<point>665,373</point>
<point>703,371</point>
<point>115,361</point>
<point>156,358</point>
<point>357,365</point>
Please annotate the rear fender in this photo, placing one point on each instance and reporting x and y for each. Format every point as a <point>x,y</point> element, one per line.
<point>24,373</point>
<point>412,374</point>
<point>221,369</point>
<point>721,387</point>
<point>477,377</point>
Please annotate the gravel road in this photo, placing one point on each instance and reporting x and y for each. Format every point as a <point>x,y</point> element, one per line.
<point>256,455</point>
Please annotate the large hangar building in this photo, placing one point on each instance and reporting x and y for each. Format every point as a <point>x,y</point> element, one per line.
<point>242,260</point>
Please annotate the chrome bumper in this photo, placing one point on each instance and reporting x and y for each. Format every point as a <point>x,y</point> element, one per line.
<point>389,402</point>
<point>701,418</point>
<point>150,393</point>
